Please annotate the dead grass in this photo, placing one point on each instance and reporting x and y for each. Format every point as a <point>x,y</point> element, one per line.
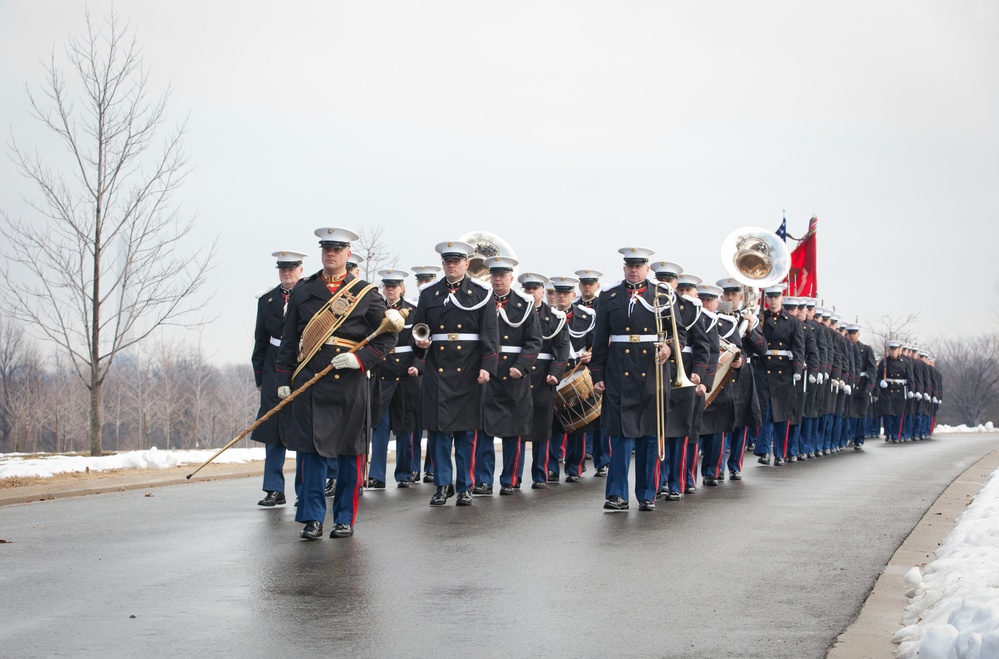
<point>81,476</point>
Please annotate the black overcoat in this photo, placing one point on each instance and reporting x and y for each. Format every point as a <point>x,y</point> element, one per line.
<point>508,407</point>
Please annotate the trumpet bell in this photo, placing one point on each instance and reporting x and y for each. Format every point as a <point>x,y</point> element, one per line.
<point>755,257</point>
<point>421,332</point>
<point>486,245</point>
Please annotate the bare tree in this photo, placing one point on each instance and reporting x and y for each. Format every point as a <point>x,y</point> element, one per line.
<point>889,327</point>
<point>12,357</point>
<point>375,250</point>
<point>970,370</point>
<point>103,260</point>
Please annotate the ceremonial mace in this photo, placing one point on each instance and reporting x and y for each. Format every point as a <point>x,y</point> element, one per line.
<point>393,322</point>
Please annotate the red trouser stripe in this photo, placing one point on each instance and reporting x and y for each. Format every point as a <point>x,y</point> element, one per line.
<point>901,420</point>
<point>516,462</point>
<point>683,465</point>
<point>359,467</point>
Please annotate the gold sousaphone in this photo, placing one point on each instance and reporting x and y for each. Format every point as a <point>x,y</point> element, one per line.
<point>756,258</point>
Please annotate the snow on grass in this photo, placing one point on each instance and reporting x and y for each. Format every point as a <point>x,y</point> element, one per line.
<point>20,465</point>
<point>985,427</point>
<point>954,612</point>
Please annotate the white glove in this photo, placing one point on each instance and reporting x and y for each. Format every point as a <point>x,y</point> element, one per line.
<point>847,390</point>
<point>812,379</point>
<point>935,400</point>
<point>797,377</point>
<point>842,383</point>
<point>910,395</point>
<point>835,386</point>
<point>284,392</point>
<point>884,384</point>
<point>926,397</point>
<point>345,360</point>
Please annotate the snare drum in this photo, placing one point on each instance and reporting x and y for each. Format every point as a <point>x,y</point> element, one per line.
<point>576,404</point>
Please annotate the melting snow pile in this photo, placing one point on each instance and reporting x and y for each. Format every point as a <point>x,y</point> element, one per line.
<point>954,612</point>
<point>16,465</point>
<point>985,427</point>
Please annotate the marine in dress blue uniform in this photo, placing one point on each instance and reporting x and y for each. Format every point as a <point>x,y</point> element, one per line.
<point>546,373</point>
<point>626,352</point>
<point>266,341</point>
<point>860,397</point>
<point>597,448</point>
<point>425,276</point>
<point>400,391</point>
<point>895,376</point>
<point>330,420</point>
<point>508,406</point>
<point>460,356</point>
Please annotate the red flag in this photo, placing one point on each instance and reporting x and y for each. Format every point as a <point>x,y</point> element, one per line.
<point>803,275</point>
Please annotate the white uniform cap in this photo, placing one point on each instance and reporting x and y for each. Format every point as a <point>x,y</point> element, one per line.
<point>728,282</point>
<point>356,259</point>
<point>588,275</point>
<point>392,274</point>
<point>426,270</point>
<point>810,301</point>
<point>564,283</point>
<point>549,286</point>
<point>777,289</point>
<point>894,344</point>
<point>835,317</point>
<point>826,313</point>
<point>667,267</point>
<point>688,280</point>
<point>791,302</point>
<point>853,327</point>
<point>454,248</point>
<point>532,278</point>
<point>636,254</point>
<point>709,289</point>
<point>500,263</point>
<point>288,259</point>
<point>335,236</point>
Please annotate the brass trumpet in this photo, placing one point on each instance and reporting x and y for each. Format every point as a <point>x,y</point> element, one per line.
<point>421,332</point>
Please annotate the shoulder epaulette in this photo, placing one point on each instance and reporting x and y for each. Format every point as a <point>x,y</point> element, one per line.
<point>263,293</point>
<point>586,310</point>
<point>422,287</point>
<point>608,287</point>
<point>482,284</point>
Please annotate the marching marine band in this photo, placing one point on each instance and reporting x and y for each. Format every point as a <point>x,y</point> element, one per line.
<point>682,375</point>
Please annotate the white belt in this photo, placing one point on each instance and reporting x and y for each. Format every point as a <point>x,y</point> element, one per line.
<point>454,336</point>
<point>687,349</point>
<point>275,342</point>
<point>510,348</point>
<point>633,338</point>
<point>397,350</point>
<point>895,381</point>
<point>781,353</point>
<point>544,356</point>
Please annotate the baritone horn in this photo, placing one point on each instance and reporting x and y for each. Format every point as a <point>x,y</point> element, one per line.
<point>755,257</point>
<point>486,245</point>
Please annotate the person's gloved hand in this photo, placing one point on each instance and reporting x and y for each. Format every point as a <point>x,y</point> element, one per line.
<point>284,392</point>
<point>346,360</point>
<point>796,377</point>
<point>884,384</point>
<point>847,390</point>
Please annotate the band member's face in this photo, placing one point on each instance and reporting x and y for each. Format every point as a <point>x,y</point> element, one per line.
<point>588,289</point>
<point>550,297</point>
<point>735,297</point>
<point>290,276</point>
<point>710,303</point>
<point>335,260</point>
<point>894,353</point>
<point>634,273</point>
<point>501,282</point>
<point>537,291</point>
<point>563,300</point>
<point>853,336</point>
<point>454,268</point>
<point>810,313</point>
<point>392,292</point>
<point>775,302</point>
<point>354,269</point>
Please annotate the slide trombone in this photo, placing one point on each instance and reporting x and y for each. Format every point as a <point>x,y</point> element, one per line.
<point>665,297</point>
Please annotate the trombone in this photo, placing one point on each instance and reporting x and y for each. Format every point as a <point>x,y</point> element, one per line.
<point>665,297</point>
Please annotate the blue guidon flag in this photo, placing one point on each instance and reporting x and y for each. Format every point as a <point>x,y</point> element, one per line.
<point>782,230</point>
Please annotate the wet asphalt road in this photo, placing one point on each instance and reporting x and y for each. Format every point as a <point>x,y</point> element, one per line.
<point>776,565</point>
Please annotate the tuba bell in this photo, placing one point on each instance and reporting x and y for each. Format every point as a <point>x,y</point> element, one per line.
<point>486,245</point>
<point>755,257</point>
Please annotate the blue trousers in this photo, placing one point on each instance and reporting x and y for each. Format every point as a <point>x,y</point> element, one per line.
<point>713,462</point>
<point>673,474</point>
<point>556,451</point>
<point>462,474</point>
<point>575,454</point>
<point>416,450</point>
<point>794,440</point>
<point>513,461</point>
<point>737,448</point>
<point>311,489</point>
<point>380,436</point>
<point>403,457</point>
<point>485,459</point>
<point>646,467</point>
<point>539,461</point>
<point>893,427</point>
<point>428,463</point>
<point>274,467</point>
<point>347,492</point>
<point>601,448</point>
<point>693,453</point>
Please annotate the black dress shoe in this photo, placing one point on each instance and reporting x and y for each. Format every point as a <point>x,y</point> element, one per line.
<point>404,483</point>
<point>440,497</point>
<point>483,489</point>
<point>793,458</point>
<point>735,476</point>
<point>552,477</point>
<point>464,499</point>
<point>646,505</point>
<point>571,479</point>
<point>764,459</point>
<point>376,484</point>
<point>507,490</point>
<point>312,531</point>
<point>272,499</point>
<point>601,472</point>
<point>615,503</point>
<point>414,477</point>
<point>674,496</point>
<point>710,481</point>
<point>428,477</point>
<point>539,485</point>
<point>778,461</point>
<point>342,531</point>
<point>689,489</point>
<point>330,486</point>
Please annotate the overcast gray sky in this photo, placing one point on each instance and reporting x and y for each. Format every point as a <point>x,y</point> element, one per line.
<point>572,128</point>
